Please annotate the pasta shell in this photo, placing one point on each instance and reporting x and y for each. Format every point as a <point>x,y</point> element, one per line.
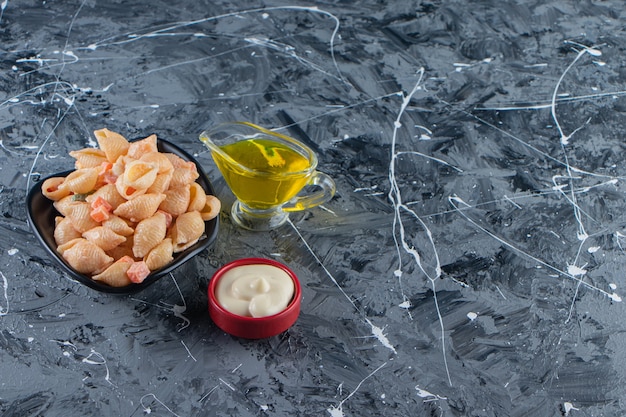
<point>184,175</point>
<point>161,182</point>
<point>84,256</point>
<point>186,231</point>
<point>79,214</point>
<point>159,159</point>
<point>64,231</point>
<point>139,174</point>
<point>52,189</point>
<point>140,208</point>
<point>109,193</point>
<point>197,197</point>
<point>88,158</point>
<point>160,255</point>
<point>104,237</point>
<point>211,208</point>
<point>81,181</point>
<point>112,144</point>
<point>176,200</point>
<point>175,160</point>
<point>120,165</point>
<point>127,191</point>
<point>144,146</point>
<point>115,275</point>
<point>123,249</point>
<point>118,225</point>
<point>62,205</point>
<point>148,234</point>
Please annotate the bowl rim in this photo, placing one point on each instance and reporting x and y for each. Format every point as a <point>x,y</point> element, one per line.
<point>35,196</point>
<point>278,320</point>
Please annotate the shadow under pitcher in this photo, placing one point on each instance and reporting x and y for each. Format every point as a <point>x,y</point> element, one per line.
<point>267,172</point>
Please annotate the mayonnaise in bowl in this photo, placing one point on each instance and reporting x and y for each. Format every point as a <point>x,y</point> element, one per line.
<point>254,298</point>
<point>255,290</point>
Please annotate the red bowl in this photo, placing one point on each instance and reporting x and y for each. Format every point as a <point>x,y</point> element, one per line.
<point>253,327</point>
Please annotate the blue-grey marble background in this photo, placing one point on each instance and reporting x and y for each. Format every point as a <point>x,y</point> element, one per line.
<point>471,264</point>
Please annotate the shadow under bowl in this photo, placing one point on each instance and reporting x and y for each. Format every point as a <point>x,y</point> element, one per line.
<point>41,214</point>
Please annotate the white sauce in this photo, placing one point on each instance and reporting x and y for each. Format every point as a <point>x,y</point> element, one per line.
<point>255,290</point>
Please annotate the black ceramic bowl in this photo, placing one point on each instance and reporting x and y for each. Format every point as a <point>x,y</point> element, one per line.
<point>41,214</point>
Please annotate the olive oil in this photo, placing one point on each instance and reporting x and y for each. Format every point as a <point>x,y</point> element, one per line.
<point>268,173</point>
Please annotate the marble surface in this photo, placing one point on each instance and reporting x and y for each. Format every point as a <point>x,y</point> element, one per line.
<point>471,264</point>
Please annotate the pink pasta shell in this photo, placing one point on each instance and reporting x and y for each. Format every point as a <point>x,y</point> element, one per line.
<point>186,231</point>
<point>112,144</point>
<point>85,256</point>
<point>115,275</point>
<point>149,233</point>
<point>140,208</point>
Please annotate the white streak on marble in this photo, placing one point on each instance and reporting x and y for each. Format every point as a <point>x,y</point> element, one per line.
<point>337,411</point>
<point>500,291</point>
<point>428,396</point>
<point>567,407</point>
<point>342,109</point>
<point>38,90</point>
<point>205,396</point>
<point>238,14</point>
<point>176,309</point>
<point>356,190</point>
<point>4,310</point>
<point>227,384</point>
<point>290,51</point>
<point>576,270</point>
<point>188,351</point>
<point>43,145</point>
<point>512,202</point>
<point>66,343</point>
<point>395,197</point>
<point>582,235</point>
<point>612,181</point>
<point>323,207</point>
<point>456,201</point>
<point>148,410</point>
<point>565,138</point>
<point>432,158</point>
<point>377,332</point>
<point>101,361</point>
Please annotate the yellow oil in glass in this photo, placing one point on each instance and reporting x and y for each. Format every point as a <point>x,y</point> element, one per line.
<point>272,181</point>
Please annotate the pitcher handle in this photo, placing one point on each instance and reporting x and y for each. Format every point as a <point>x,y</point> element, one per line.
<point>325,193</point>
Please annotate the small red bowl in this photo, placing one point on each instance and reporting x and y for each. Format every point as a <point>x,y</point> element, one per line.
<point>253,327</point>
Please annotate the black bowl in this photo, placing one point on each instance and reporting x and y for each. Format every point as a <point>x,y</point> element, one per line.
<point>41,214</point>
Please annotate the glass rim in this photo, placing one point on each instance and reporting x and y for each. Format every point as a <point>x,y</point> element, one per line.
<point>205,137</point>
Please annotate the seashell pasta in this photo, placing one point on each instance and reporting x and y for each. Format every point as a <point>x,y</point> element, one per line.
<point>127,208</point>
